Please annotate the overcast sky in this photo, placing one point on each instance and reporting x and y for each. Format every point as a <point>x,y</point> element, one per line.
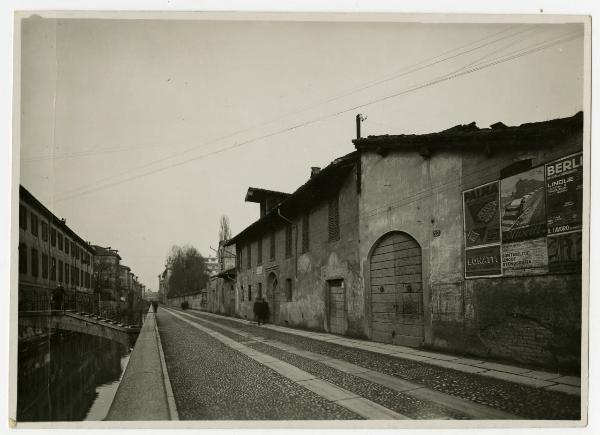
<point>122,121</point>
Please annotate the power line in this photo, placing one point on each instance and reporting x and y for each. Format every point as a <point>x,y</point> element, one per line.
<point>441,79</point>
<point>387,77</point>
<point>403,72</point>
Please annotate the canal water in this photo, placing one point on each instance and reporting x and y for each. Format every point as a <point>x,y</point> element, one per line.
<point>68,377</point>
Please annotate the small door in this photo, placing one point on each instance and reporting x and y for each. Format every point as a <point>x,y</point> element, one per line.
<point>272,296</point>
<point>337,303</point>
<point>397,291</point>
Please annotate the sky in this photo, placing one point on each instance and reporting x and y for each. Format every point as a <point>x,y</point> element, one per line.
<point>142,133</point>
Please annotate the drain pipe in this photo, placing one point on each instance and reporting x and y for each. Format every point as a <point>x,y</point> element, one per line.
<point>296,240</point>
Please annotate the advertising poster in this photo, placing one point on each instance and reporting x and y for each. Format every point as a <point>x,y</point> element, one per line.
<point>523,206</point>
<point>529,257</point>
<point>482,219</point>
<point>564,194</point>
<point>564,253</point>
<point>481,262</point>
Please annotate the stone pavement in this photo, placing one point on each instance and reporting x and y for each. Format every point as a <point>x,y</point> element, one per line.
<point>511,373</point>
<point>145,390</point>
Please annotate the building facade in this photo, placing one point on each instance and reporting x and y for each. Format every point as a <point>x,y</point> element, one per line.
<point>50,255</point>
<point>301,254</point>
<point>471,240</point>
<point>107,272</point>
<point>468,240</point>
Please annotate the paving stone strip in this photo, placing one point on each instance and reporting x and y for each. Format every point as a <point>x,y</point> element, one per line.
<point>531,378</point>
<point>361,406</point>
<point>514,398</point>
<point>466,407</point>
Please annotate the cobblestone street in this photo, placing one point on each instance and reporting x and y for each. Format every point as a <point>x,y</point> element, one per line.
<point>222,368</point>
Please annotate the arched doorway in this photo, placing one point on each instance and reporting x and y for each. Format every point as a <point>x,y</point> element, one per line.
<point>272,289</point>
<point>396,290</point>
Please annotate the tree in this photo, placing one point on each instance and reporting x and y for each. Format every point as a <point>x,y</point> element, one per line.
<point>188,270</point>
<point>224,229</point>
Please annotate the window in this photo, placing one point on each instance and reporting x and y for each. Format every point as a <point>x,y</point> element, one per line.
<point>249,256</point>
<point>243,294</point>
<point>73,273</point>
<point>288,289</point>
<point>272,246</point>
<point>334,219</point>
<point>249,292</point>
<point>66,245</point>
<point>67,274</point>
<point>288,241</point>
<point>22,258</point>
<point>260,295</point>
<point>60,241</point>
<point>88,280</point>
<point>34,224</point>
<point>22,217</point>
<point>44,231</point>
<point>259,252</point>
<point>305,240</point>
<point>44,265</point>
<point>72,249</point>
<point>53,237</point>
<point>34,262</point>
<point>60,271</point>
<point>82,278</point>
<point>53,269</point>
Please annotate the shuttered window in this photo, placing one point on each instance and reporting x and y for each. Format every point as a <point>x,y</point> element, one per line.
<point>60,271</point>
<point>272,246</point>
<point>288,241</point>
<point>35,268</point>
<point>44,265</point>
<point>334,219</point>
<point>305,239</point>
<point>259,259</point>
<point>53,269</point>
<point>34,224</point>
<point>44,231</point>
<point>22,217</point>
<point>22,258</point>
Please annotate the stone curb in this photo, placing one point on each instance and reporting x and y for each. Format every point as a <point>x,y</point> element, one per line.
<point>166,380</point>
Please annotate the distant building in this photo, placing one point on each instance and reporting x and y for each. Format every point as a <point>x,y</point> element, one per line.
<point>107,272</point>
<point>50,255</point>
<point>212,265</point>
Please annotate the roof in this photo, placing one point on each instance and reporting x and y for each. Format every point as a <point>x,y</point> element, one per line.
<point>256,194</point>
<point>227,273</point>
<point>545,133</point>
<point>319,187</point>
<point>28,197</point>
<point>106,252</point>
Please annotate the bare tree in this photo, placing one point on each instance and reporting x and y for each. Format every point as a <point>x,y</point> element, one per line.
<point>224,229</point>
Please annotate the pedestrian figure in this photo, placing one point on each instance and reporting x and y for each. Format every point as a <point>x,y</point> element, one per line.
<point>57,297</point>
<point>155,306</point>
<point>261,311</point>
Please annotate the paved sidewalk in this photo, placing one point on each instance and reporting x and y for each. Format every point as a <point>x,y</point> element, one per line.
<point>142,393</point>
<point>520,375</point>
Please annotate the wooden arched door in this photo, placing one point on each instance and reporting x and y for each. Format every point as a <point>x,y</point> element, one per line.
<point>396,291</point>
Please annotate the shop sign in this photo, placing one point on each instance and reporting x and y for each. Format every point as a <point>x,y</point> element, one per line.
<point>564,253</point>
<point>483,262</point>
<point>529,257</point>
<point>482,220</point>
<point>564,194</point>
<point>523,206</point>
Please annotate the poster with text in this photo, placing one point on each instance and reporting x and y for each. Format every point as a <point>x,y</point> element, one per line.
<point>483,262</point>
<point>523,206</point>
<point>564,194</point>
<point>482,218</point>
<point>529,257</point>
<point>564,253</point>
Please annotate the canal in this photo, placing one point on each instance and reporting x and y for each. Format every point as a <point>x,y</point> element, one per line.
<point>68,376</point>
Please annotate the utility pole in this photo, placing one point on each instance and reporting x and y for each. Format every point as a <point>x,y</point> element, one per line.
<point>359,119</point>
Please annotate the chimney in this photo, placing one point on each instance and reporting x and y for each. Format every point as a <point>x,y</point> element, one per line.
<point>314,170</point>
